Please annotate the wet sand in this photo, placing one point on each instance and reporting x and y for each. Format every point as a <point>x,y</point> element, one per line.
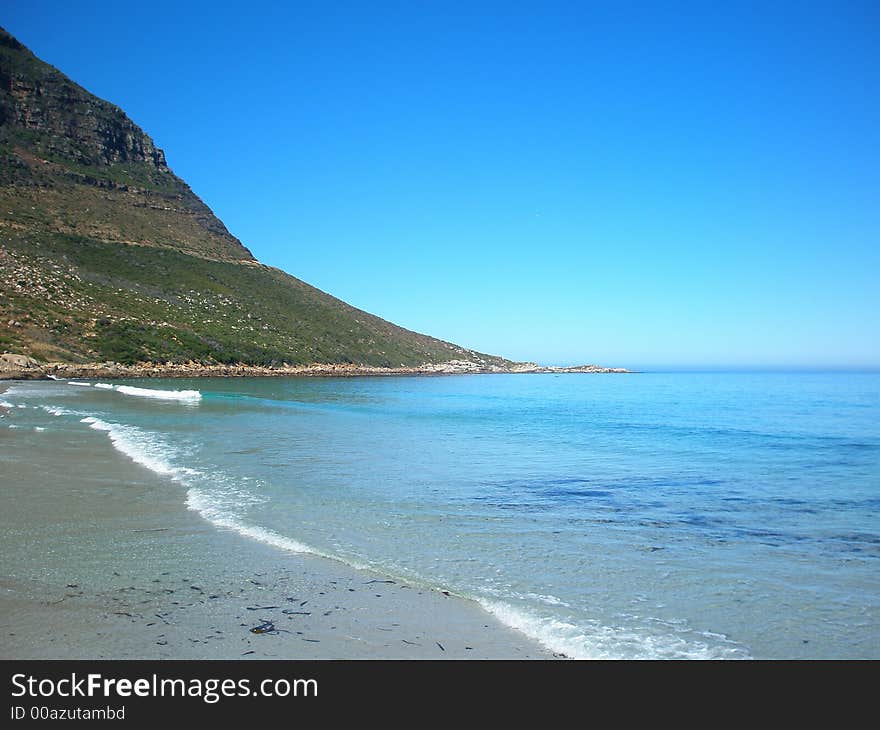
<point>101,559</point>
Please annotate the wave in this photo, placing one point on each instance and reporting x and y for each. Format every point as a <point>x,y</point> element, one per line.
<point>206,506</point>
<point>597,641</point>
<point>561,637</point>
<point>185,395</point>
<point>77,382</point>
<point>137,446</point>
<point>548,599</point>
<point>144,449</point>
<point>105,386</point>
<point>220,507</point>
<point>56,411</point>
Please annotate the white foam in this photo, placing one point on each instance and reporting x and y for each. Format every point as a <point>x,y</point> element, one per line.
<point>138,446</point>
<point>507,593</point>
<point>206,506</point>
<point>104,386</point>
<point>12,425</point>
<point>550,600</point>
<point>219,508</point>
<point>558,636</point>
<point>6,404</point>
<point>186,395</point>
<point>39,428</point>
<point>596,641</point>
<point>55,411</point>
<point>53,377</point>
<point>76,382</point>
<point>21,405</point>
<point>146,450</point>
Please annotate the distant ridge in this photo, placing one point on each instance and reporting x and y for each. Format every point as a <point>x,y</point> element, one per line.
<point>107,256</point>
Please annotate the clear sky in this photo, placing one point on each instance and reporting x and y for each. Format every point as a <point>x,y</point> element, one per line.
<point>611,182</point>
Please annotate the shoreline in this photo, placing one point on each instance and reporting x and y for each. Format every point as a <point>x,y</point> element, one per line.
<point>115,565</point>
<point>19,367</point>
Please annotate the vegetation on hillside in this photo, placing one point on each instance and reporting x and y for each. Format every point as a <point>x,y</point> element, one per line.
<point>77,299</point>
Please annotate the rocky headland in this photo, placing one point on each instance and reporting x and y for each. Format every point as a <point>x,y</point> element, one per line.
<point>111,266</point>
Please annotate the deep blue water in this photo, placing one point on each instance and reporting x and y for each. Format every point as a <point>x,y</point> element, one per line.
<point>649,515</point>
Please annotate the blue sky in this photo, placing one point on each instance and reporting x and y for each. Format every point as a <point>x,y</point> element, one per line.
<point>623,183</point>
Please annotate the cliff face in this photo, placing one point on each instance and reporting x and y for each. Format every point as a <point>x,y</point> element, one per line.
<point>106,255</point>
<point>75,164</point>
<point>63,121</point>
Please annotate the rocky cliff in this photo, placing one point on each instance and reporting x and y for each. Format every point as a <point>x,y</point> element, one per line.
<point>75,164</point>
<point>61,119</point>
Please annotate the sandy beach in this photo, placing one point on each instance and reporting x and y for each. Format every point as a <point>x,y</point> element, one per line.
<point>101,559</point>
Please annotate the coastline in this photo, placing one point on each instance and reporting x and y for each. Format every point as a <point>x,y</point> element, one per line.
<point>20,367</point>
<point>115,566</point>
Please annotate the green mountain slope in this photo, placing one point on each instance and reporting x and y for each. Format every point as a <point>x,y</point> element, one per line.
<point>105,254</point>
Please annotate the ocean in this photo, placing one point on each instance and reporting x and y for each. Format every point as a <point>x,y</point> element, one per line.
<point>641,516</point>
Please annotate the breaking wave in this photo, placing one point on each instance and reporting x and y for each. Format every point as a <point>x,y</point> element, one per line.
<point>184,395</point>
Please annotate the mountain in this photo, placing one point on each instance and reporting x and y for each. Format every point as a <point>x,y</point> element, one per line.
<point>106,255</point>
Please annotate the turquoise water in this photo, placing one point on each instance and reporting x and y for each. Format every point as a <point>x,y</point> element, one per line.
<point>657,515</point>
